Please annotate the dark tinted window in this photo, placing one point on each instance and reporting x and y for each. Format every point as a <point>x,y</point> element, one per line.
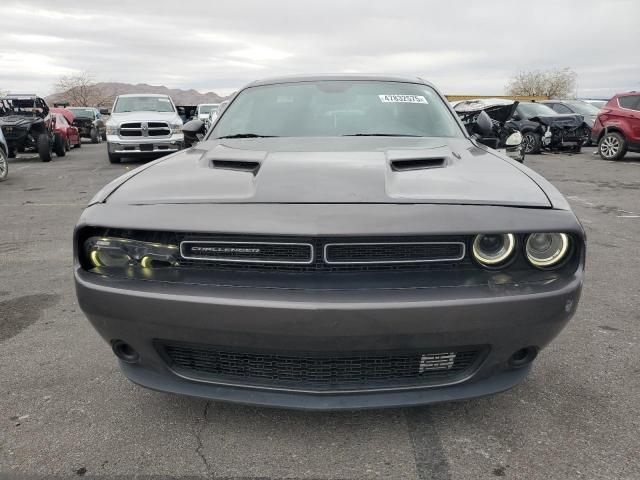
<point>631,101</point>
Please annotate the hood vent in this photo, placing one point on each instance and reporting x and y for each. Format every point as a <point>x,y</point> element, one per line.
<point>417,164</point>
<point>238,165</point>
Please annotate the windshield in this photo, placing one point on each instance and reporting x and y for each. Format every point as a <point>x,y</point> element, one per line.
<point>83,112</point>
<point>14,106</point>
<point>583,107</point>
<point>205,109</point>
<point>529,110</point>
<point>337,108</point>
<point>143,104</point>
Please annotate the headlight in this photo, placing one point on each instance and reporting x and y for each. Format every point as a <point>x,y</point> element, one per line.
<point>106,252</point>
<point>493,249</point>
<point>546,249</point>
<point>176,128</point>
<point>514,139</point>
<point>112,130</point>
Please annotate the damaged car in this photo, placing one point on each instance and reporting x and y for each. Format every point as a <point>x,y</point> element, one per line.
<point>333,242</point>
<point>28,125</point>
<point>543,128</point>
<point>507,138</point>
<point>89,122</point>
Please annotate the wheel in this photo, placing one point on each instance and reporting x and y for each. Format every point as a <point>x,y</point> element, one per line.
<point>612,146</point>
<point>532,143</point>
<point>577,149</point>
<point>67,145</point>
<point>113,158</point>
<point>4,165</point>
<point>44,147</point>
<point>59,146</point>
<point>12,152</point>
<point>104,136</point>
<point>95,136</point>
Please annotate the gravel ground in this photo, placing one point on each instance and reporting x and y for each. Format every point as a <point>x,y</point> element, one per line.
<point>67,412</point>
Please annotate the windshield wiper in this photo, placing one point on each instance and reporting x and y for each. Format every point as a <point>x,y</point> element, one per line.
<point>379,135</point>
<point>248,135</point>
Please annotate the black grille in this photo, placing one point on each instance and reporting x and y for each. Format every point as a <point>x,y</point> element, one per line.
<point>254,252</point>
<point>320,371</point>
<point>318,265</point>
<point>393,252</point>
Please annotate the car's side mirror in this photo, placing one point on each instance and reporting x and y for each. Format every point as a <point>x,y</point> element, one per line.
<point>104,111</point>
<point>483,124</point>
<point>193,131</point>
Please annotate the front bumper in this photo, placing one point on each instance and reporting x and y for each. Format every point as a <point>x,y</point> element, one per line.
<point>502,319</point>
<point>145,146</point>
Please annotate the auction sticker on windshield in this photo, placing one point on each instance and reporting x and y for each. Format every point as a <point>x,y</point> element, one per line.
<point>402,99</point>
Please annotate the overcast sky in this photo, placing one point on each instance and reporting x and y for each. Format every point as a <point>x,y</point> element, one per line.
<point>464,47</point>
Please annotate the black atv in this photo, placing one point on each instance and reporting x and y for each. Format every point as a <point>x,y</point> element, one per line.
<point>28,126</point>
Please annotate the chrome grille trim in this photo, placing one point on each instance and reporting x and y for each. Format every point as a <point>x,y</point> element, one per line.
<point>144,129</point>
<point>246,260</point>
<point>326,247</point>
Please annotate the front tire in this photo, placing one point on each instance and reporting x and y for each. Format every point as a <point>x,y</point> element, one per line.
<point>12,152</point>
<point>44,147</point>
<point>113,158</point>
<point>59,146</point>
<point>532,143</point>
<point>104,136</point>
<point>95,136</point>
<point>612,146</point>
<point>4,166</point>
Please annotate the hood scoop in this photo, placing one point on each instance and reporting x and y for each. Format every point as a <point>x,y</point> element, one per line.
<point>410,164</point>
<point>237,165</point>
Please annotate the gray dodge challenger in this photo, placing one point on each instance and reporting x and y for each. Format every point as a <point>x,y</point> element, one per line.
<point>332,242</point>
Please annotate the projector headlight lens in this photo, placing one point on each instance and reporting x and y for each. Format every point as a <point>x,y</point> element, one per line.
<point>493,249</point>
<point>121,253</point>
<point>546,250</point>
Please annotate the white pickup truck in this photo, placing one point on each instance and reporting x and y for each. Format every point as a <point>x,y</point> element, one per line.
<point>143,125</point>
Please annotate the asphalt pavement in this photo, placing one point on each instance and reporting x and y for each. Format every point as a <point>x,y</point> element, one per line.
<point>67,412</point>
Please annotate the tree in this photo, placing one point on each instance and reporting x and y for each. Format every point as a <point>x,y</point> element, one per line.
<point>558,83</point>
<point>80,90</point>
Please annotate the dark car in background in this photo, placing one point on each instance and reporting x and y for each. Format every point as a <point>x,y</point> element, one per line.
<point>542,127</point>
<point>587,110</point>
<point>334,242</point>
<point>617,127</point>
<point>90,123</point>
<point>27,125</point>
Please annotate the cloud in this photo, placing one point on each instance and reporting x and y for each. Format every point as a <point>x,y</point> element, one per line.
<point>463,47</point>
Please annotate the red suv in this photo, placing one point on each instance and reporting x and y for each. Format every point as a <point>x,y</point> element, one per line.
<point>617,127</point>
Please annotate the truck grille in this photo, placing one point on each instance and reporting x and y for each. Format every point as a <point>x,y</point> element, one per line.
<point>319,371</point>
<point>145,129</point>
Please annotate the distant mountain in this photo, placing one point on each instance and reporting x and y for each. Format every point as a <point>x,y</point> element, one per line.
<point>105,92</point>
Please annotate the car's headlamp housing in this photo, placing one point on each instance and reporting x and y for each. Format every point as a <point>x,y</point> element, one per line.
<point>112,130</point>
<point>122,253</point>
<point>547,250</point>
<point>176,128</point>
<point>493,250</point>
<point>514,139</point>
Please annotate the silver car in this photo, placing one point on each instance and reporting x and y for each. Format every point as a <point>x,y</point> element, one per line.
<point>333,242</point>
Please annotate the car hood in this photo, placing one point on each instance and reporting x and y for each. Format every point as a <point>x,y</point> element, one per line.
<point>117,118</point>
<point>561,120</point>
<point>333,170</point>
<point>17,121</point>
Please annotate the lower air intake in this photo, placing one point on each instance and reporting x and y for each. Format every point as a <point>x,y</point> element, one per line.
<point>319,371</point>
